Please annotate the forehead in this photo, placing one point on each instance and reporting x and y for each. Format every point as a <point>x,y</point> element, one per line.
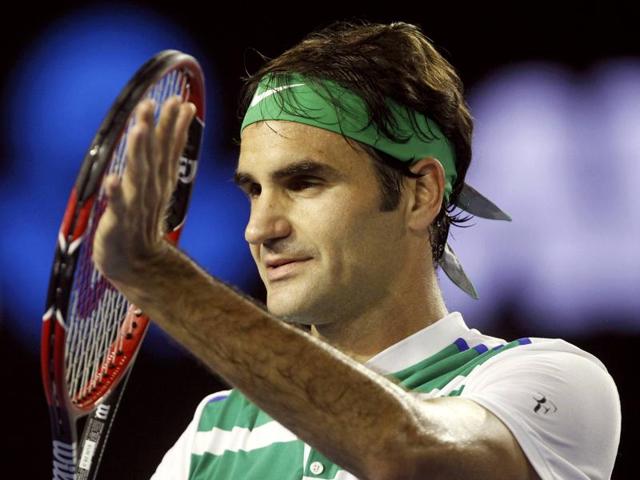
<point>270,145</point>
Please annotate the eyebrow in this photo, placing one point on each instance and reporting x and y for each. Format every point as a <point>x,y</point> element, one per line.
<point>306,166</point>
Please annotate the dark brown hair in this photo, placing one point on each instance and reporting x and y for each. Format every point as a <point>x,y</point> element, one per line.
<point>378,62</point>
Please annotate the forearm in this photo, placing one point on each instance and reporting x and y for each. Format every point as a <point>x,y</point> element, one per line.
<point>330,401</point>
<point>359,419</point>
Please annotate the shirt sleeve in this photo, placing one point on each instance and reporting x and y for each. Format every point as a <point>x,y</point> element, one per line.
<point>176,462</point>
<point>563,409</point>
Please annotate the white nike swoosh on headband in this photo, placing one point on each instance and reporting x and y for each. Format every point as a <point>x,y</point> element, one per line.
<point>267,93</point>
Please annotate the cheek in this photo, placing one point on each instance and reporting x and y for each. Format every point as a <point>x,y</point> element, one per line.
<point>348,236</point>
<point>370,242</point>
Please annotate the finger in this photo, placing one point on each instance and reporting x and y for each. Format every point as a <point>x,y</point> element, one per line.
<point>109,222</point>
<point>149,190</point>
<point>166,130</point>
<point>136,170</point>
<point>181,133</point>
<point>113,191</point>
<point>166,138</point>
<point>185,117</point>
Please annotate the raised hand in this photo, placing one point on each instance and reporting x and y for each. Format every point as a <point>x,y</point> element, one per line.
<point>131,230</point>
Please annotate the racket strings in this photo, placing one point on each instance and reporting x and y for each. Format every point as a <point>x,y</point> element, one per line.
<point>97,330</point>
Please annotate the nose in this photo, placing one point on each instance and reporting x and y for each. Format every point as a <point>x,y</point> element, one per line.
<point>267,221</point>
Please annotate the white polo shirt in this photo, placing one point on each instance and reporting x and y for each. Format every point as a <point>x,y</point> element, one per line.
<point>558,401</point>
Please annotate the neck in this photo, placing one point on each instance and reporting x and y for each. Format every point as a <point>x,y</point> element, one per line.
<point>394,318</point>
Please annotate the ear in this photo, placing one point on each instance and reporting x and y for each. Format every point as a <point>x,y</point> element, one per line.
<point>427,194</point>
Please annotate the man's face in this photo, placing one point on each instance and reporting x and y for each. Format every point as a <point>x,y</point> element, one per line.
<point>323,248</point>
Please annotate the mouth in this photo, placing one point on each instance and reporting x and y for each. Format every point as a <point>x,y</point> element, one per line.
<point>284,268</point>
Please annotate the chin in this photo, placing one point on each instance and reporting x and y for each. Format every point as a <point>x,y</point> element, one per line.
<point>296,314</point>
<point>305,304</point>
<point>290,311</point>
<point>287,313</point>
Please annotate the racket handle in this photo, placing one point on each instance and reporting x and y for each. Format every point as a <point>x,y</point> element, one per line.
<point>96,432</point>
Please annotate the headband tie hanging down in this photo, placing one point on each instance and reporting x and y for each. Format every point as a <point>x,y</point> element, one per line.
<point>326,104</point>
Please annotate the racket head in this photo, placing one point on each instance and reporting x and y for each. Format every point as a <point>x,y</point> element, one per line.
<point>90,333</point>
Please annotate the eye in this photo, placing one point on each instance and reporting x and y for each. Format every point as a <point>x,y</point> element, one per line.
<point>253,190</point>
<point>302,183</point>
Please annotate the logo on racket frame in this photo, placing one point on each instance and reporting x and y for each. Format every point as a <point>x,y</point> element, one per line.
<point>187,171</point>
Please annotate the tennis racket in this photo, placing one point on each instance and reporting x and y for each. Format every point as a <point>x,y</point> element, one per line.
<point>90,333</point>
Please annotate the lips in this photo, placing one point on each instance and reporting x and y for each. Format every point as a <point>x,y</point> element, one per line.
<point>280,268</point>
<point>280,261</point>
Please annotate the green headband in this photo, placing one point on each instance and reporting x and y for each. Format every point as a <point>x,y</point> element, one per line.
<point>344,112</point>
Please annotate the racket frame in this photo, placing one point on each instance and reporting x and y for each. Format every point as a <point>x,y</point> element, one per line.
<point>103,403</point>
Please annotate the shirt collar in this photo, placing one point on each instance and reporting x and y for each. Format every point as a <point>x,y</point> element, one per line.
<point>420,345</point>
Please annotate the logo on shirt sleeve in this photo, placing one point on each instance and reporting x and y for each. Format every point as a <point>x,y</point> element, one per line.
<point>543,405</point>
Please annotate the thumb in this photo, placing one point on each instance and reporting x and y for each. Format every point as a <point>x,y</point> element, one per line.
<point>113,190</point>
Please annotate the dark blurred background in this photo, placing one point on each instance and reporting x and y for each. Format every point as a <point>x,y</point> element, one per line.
<point>555,92</point>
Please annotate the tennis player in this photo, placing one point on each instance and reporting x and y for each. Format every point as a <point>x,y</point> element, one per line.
<point>355,144</point>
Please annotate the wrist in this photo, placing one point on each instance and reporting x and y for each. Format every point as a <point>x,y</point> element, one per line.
<point>133,267</point>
